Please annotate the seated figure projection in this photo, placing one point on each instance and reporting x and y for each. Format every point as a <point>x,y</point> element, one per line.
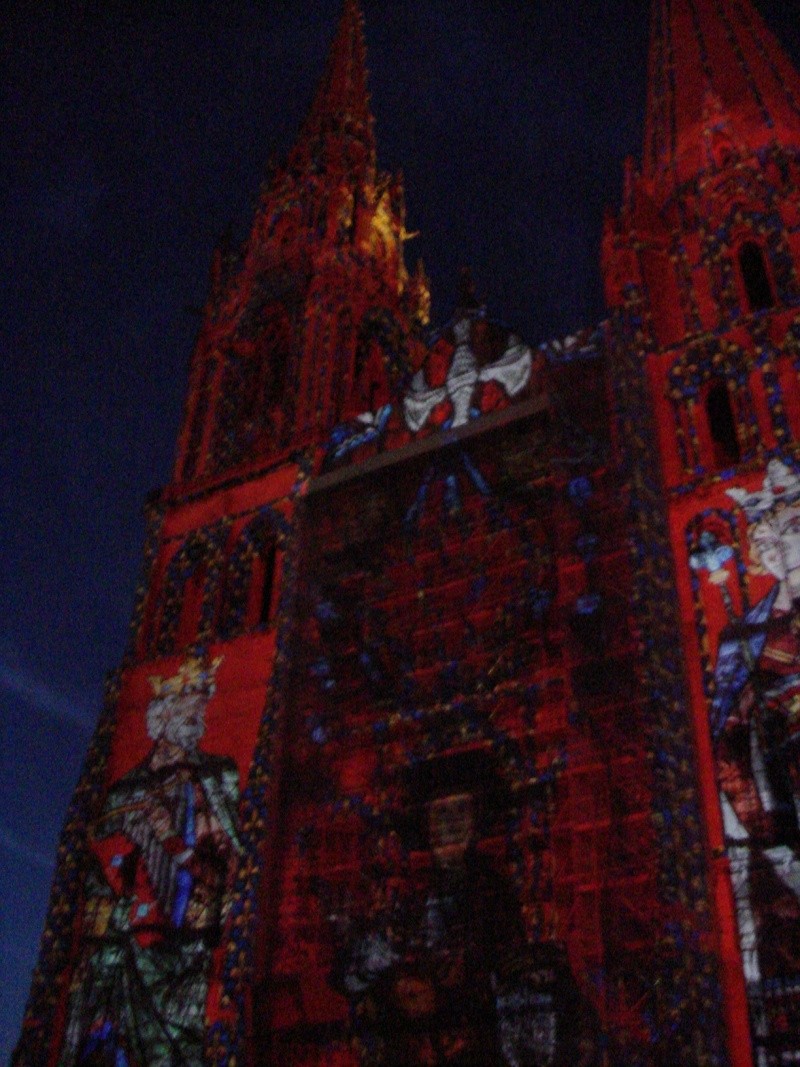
<point>164,854</point>
<point>441,972</point>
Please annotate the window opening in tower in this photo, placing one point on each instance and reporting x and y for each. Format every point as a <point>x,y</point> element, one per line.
<point>722,424</point>
<point>268,563</point>
<point>755,277</point>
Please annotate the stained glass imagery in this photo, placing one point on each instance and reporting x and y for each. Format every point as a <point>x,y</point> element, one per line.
<point>164,851</point>
<point>752,596</point>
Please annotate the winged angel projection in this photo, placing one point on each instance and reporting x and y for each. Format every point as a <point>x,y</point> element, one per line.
<point>512,370</point>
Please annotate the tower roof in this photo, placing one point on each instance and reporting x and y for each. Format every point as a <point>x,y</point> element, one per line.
<point>341,104</point>
<point>714,64</point>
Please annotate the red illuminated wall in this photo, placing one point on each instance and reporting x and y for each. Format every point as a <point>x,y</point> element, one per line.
<point>458,722</point>
<point>700,271</point>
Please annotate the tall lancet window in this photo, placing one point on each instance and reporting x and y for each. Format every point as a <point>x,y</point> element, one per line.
<point>250,580</point>
<point>757,284</point>
<point>186,601</point>
<point>263,583</point>
<point>722,424</point>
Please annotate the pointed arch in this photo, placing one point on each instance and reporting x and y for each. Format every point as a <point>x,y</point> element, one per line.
<point>343,357</point>
<point>251,584</point>
<point>381,364</point>
<point>755,277</point>
<point>715,420</point>
<point>786,361</point>
<point>746,251</point>
<point>275,350</point>
<point>721,422</point>
<point>254,408</point>
<point>187,604</point>
<point>232,429</point>
<point>193,459</point>
<point>268,408</point>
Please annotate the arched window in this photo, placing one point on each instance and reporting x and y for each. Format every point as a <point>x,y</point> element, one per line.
<point>250,581</point>
<point>191,609</point>
<point>755,277</point>
<point>343,354</point>
<point>187,597</point>
<point>233,417</point>
<point>198,419</point>
<point>372,385</point>
<point>381,362</point>
<point>722,424</point>
<point>275,351</point>
<point>263,584</point>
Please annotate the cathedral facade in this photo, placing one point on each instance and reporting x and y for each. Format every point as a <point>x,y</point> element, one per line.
<point>460,722</point>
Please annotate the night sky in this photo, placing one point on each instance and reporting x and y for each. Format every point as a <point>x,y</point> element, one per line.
<point>136,134</point>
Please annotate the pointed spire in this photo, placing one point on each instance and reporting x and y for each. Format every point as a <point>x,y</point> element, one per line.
<point>720,51</point>
<point>341,106</point>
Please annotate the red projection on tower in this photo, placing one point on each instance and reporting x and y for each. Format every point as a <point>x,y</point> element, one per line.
<point>460,719</point>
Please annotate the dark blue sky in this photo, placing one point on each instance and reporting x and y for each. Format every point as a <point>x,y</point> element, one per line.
<point>135,133</point>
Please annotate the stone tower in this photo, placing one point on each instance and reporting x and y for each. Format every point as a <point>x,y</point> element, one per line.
<point>701,279</point>
<point>310,323</point>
